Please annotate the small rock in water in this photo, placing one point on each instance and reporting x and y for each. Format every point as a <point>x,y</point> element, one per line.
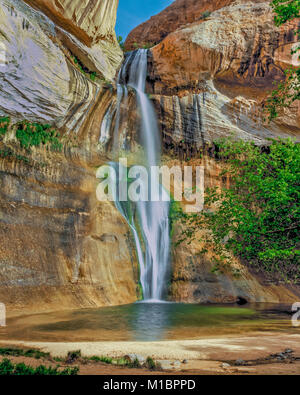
<point>288,351</point>
<point>185,361</point>
<point>240,362</point>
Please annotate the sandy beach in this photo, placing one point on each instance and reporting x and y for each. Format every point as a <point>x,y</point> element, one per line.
<point>215,355</point>
<point>256,345</point>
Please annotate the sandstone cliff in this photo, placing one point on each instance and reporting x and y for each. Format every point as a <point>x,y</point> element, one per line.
<point>218,71</point>
<point>87,22</point>
<point>179,13</point>
<point>60,248</point>
<point>209,77</point>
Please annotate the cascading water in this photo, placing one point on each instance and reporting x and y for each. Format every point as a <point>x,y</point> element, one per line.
<point>153,216</point>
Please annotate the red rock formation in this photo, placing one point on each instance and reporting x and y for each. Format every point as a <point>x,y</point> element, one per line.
<point>237,46</point>
<point>178,14</point>
<point>233,56</point>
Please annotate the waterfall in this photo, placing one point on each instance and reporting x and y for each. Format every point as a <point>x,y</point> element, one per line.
<point>153,216</point>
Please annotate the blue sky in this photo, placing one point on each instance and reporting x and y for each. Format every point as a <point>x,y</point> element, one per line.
<point>132,13</point>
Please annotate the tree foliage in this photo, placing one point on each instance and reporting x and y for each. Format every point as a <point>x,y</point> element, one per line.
<point>287,91</point>
<point>4,124</point>
<point>256,219</point>
<point>285,10</point>
<point>35,134</point>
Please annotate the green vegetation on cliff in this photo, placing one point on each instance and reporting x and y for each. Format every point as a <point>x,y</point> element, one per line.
<point>31,135</point>
<point>35,134</point>
<point>256,218</point>
<point>288,91</point>
<point>4,124</point>
<point>84,70</point>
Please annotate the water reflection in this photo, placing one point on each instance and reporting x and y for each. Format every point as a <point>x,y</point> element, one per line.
<point>150,321</point>
<point>147,322</point>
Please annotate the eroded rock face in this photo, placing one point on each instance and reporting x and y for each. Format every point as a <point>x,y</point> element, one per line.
<point>194,278</point>
<point>208,79</point>
<point>38,81</point>
<point>225,65</point>
<point>178,14</point>
<point>92,23</point>
<point>89,20</point>
<point>60,247</point>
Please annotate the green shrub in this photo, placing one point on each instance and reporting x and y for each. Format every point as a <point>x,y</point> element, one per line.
<point>17,352</point>
<point>176,213</point>
<point>84,70</point>
<point>121,42</point>
<point>101,359</point>
<point>35,134</point>
<point>206,14</point>
<point>73,356</point>
<point>256,217</point>
<point>7,368</point>
<point>134,365</point>
<point>4,124</point>
<point>8,153</point>
<point>152,365</point>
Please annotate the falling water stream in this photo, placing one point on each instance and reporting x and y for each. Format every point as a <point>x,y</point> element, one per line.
<point>152,235</point>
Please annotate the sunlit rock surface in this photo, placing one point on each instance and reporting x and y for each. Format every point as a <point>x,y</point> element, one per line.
<point>231,60</point>
<point>92,23</point>
<point>209,79</point>
<point>179,13</point>
<point>38,80</point>
<point>194,276</point>
<point>60,247</point>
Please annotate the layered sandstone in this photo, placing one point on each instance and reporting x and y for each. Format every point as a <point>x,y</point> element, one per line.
<point>39,80</point>
<point>194,275</point>
<point>211,77</point>
<point>60,247</point>
<point>88,28</point>
<point>178,14</point>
